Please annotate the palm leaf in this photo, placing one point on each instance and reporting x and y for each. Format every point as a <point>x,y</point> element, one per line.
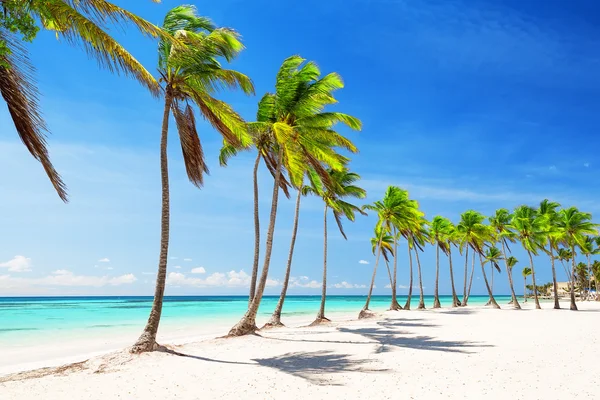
<point>193,155</point>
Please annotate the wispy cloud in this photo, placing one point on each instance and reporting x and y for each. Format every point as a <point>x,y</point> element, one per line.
<point>363,262</point>
<point>104,260</point>
<point>17,264</point>
<point>187,259</point>
<point>304,282</point>
<point>63,277</point>
<point>231,279</point>
<point>198,270</point>
<point>347,285</point>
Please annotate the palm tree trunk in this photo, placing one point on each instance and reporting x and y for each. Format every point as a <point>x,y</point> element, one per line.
<point>410,285</point>
<point>387,266</point>
<point>364,313</point>
<point>421,297</point>
<point>395,305</point>
<point>535,295</point>
<point>464,302</point>
<point>247,324</point>
<point>471,279</point>
<point>321,314</point>
<point>487,285</point>
<point>455,301</point>
<point>147,340</point>
<point>256,232</point>
<point>554,283</point>
<point>514,300</point>
<point>436,297</point>
<point>525,288</point>
<point>276,317</point>
<point>589,277</point>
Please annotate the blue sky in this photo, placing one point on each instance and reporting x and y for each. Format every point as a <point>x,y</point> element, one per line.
<point>467,104</point>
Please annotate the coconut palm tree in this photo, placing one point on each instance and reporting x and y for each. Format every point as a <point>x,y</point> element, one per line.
<point>83,23</point>
<point>493,255</point>
<point>581,277</point>
<point>420,236</point>
<point>410,245</point>
<point>439,232</point>
<point>564,255</point>
<point>387,248</point>
<point>190,74</point>
<point>471,233</point>
<point>510,263</point>
<point>596,274</point>
<point>573,225</point>
<point>500,222</point>
<point>530,230</point>
<point>526,272</point>
<point>343,186</point>
<point>305,141</point>
<point>548,213</point>
<point>452,240</point>
<point>588,248</point>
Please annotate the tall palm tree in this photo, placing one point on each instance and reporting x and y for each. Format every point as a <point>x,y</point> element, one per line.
<point>510,263</point>
<point>548,212</point>
<point>500,222</point>
<point>564,255</point>
<point>410,245</point>
<point>79,22</point>
<point>526,272</point>
<point>531,232</point>
<point>588,248</point>
<point>343,186</point>
<point>439,232</point>
<point>573,225</point>
<point>471,233</point>
<point>452,240</point>
<point>384,242</point>
<point>305,141</point>
<point>190,74</point>
<point>420,236</point>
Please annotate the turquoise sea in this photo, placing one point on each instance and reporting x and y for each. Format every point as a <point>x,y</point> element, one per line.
<point>24,320</point>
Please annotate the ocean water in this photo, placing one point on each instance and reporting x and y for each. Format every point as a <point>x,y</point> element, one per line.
<point>25,320</point>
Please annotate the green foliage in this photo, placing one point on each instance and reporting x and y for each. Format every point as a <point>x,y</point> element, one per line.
<point>472,232</point>
<point>493,256</point>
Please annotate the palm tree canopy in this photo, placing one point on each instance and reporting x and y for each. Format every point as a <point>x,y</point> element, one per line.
<point>500,222</point>
<point>574,225</point>
<point>493,256</point>
<point>564,254</point>
<point>472,232</point>
<point>387,242</point>
<point>526,272</point>
<point>192,74</point>
<point>441,231</point>
<point>530,228</point>
<point>396,210</point>
<point>511,262</point>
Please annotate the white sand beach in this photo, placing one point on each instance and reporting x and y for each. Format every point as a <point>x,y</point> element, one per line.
<point>466,353</point>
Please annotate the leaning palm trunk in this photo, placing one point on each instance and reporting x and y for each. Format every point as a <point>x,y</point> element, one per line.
<point>410,284</point>
<point>487,285</point>
<point>513,300</point>
<point>471,278</point>
<point>455,301</point>
<point>436,297</point>
<point>535,295</point>
<point>256,233</point>
<point>421,297</point>
<point>464,302</point>
<point>276,317</point>
<point>365,313</point>
<point>554,283</point>
<point>247,324</point>
<point>321,314</point>
<point>395,305</point>
<point>147,340</point>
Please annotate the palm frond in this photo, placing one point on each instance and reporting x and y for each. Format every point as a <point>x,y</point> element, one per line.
<point>193,155</point>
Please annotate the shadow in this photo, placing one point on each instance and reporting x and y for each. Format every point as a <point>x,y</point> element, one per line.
<point>329,341</point>
<point>317,367</point>
<point>405,324</point>
<point>176,353</point>
<point>457,311</point>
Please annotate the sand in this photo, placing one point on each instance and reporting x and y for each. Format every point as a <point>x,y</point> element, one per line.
<point>466,353</point>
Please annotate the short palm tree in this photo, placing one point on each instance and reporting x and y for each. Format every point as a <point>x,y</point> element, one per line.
<point>80,22</point>
<point>573,225</point>
<point>384,242</point>
<point>439,232</point>
<point>471,233</point>
<point>492,256</point>
<point>548,213</point>
<point>564,255</point>
<point>500,222</point>
<point>596,274</point>
<point>526,272</point>
<point>588,248</point>
<point>581,277</point>
<point>190,75</point>
<point>530,230</point>
<point>510,263</point>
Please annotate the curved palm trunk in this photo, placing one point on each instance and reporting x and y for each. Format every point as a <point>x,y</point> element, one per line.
<point>147,340</point>
<point>410,284</point>
<point>487,285</point>
<point>535,295</point>
<point>513,300</point>
<point>471,279</point>
<point>276,317</point>
<point>554,283</point>
<point>256,233</point>
<point>464,302</point>
<point>247,324</point>
<point>455,301</point>
<point>436,297</point>
<point>421,297</point>
<point>525,288</point>
<point>395,305</point>
<point>364,313</point>
<point>321,314</point>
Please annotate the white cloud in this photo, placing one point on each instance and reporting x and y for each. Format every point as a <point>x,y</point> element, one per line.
<point>216,279</point>
<point>363,262</point>
<point>63,277</point>
<point>304,282</point>
<point>17,264</point>
<point>198,270</point>
<point>109,268</point>
<point>346,285</point>
<point>177,267</point>
<point>187,259</point>
<point>104,260</point>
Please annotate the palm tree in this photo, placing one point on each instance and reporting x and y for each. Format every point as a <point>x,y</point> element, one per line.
<point>500,222</point>
<point>588,248</point>
<point>530,230</point>
<point>439,232</point>
<point>306,142</point>
<point>410,246</point>
<point>526,272</point>
<point>190,75</point>
<point>82,23</point>
<point>581,277</point>
<point>565,255</point>
<point>510,263</point>
<point>342,187</point>
<point>572,225</point>
<point>471,234</point>
<point>452,240</point>
<point>596,274</point>
<point>548,213</point>
<point>384,242</point>
<point>493,255</point>
<point>420,236</point>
